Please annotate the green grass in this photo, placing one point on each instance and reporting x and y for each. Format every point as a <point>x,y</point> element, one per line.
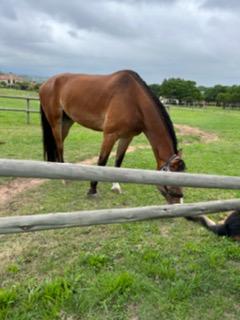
<point>166,269</point>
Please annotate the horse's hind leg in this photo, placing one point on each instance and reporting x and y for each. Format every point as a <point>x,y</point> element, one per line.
<point>60,130</point>
<point>106,148</point>
<point>57,133</point>
<point>121,151</point>
<point>66,125</point>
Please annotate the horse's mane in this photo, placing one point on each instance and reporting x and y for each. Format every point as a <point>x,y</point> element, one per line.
<point>160,107</point>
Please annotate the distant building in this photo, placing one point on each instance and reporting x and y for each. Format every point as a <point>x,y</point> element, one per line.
<point>169,100</point>
<point>10,78</point>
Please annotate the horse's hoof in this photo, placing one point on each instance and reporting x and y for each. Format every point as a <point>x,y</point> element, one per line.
<point>92,194</point>
<point>116,188</point>
<point>65,182</point>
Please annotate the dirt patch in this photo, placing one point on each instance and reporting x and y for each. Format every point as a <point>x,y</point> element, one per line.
<point>16,186</point>
<point>205,137</point>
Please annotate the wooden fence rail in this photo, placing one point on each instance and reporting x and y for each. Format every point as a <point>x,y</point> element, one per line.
<point>27,110</point>
<point>51,170</point>
<point>39,169</point>
<point>109,216</point>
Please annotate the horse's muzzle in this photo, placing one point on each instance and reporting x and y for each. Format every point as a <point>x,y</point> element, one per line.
<point>172,194</point>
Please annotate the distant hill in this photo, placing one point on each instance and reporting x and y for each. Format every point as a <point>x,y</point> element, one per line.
<point>33,78</point>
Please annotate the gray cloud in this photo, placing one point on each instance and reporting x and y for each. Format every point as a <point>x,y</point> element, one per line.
<point>159,39</point>
<point>222,4</point>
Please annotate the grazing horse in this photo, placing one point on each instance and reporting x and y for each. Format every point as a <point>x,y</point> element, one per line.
<point>120,105</point>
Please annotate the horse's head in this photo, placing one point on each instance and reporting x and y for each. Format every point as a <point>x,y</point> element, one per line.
<point>172,194</point>
<point>232,225</point>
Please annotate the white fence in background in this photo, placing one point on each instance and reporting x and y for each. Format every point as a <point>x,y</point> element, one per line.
<point>27,110</point>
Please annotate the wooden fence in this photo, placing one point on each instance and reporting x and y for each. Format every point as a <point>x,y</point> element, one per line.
<point>27,110</point>
<point>38,169</point>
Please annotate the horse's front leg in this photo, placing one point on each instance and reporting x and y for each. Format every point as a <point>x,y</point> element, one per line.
<point>121,151</point>
<point>106,148</point>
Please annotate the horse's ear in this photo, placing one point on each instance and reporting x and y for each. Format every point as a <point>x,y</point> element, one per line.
<point>179,153</point>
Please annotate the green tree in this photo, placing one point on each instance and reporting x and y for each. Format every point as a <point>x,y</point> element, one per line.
<point>25,85</point>
<point>224,99</point>
<point>235,95</point>
<point>156,89</point>
<point>229,98</point>
<point>183,90</point>
<point>3,84</point>
<point>211,94</point>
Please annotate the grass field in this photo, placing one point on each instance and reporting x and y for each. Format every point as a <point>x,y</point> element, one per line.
<point>168,269</point>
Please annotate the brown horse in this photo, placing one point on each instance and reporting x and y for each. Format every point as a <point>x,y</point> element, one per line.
<point>120,105</point>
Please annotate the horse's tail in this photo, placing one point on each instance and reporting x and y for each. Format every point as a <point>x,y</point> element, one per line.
<point>49,143</point>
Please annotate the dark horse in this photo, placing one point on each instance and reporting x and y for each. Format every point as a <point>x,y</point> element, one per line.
<point>230,227</point>
<point>120,105</point>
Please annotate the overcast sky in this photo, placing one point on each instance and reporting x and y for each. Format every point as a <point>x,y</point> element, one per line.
<point>190,39</point>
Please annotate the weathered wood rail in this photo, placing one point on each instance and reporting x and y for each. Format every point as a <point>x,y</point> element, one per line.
<point>27,110</point>
<point>51,170</point>
<point>109,216</point>
<point>39,169</point>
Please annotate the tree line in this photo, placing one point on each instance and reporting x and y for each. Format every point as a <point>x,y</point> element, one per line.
<point>186,92</point>
<point>174,91</point>
<point>23,85</point>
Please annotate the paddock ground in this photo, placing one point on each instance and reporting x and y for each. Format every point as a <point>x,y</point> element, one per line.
<point>169,269</point>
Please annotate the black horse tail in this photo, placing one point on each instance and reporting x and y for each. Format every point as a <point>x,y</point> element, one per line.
<point>49,143</point>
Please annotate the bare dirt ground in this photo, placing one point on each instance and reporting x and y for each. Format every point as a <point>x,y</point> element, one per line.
<point>205,137</point>
<point>18,185</point>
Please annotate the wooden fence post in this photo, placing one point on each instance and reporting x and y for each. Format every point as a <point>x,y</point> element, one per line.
<point>28,110</point>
